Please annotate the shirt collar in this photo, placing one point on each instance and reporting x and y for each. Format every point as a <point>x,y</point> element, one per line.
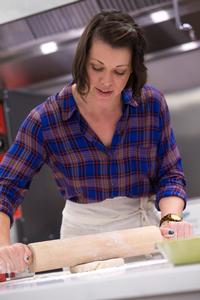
<point>68,104</point>
<point>128,98</point>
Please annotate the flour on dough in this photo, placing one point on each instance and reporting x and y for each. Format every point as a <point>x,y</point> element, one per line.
<point>97,265</point>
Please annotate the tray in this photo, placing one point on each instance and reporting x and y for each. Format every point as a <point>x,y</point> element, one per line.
<point>181,252</point>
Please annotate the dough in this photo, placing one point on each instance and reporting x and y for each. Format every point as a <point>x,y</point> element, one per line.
<point>97,265</point>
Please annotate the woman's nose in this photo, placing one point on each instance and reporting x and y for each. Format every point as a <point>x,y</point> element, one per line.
<point>107,79</point>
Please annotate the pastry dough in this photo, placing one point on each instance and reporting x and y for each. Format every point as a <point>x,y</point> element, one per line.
<point>97,265</point>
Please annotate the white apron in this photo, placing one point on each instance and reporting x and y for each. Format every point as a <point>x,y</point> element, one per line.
<point>109,215</point>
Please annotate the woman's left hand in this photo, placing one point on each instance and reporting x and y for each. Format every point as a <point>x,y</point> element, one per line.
<point>176,230</point>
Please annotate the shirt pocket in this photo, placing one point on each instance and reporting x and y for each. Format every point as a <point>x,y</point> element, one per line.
<point>146,160</point>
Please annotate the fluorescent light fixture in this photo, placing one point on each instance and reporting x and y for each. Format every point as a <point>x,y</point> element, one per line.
<point>189,46</point>
<point>160,16</point>
<point>49,47</point>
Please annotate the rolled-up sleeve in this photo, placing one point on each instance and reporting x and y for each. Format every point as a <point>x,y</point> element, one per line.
<point>170,176</point>
<point>24,158</point>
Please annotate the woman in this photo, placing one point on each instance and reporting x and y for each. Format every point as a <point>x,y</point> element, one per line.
<point>108,140</point>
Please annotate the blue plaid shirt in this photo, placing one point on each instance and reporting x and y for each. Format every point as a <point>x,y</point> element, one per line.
<point>143,159</point>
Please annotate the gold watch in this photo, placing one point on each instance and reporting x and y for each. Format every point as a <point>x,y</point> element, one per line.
<point>170,217</point>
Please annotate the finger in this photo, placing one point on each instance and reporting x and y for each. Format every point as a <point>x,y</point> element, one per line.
<point>187,231</point>
<point>7,259</point>
<point>28,251</point>
<point>191,230</point>
<point>167,232</point>
<point>180,229</point>
<point>14,256</point>
<point>8,268</point>
<point>19,257</point>
<point>8,262</point>
<point>26,259</point>
<point>13,259</point>
<point>2,267</point>
<point>27,254</point>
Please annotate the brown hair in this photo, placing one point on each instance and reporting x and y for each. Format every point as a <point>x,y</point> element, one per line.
<point>118,29</point>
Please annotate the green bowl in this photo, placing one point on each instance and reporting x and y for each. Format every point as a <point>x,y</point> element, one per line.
<point>181,252</point>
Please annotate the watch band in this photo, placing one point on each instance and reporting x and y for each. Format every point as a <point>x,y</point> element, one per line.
<point>171,217</point>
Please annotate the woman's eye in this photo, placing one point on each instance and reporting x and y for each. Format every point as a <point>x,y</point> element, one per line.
<point>120,73</point>
<point>97,69</point>
<point>100,69</point>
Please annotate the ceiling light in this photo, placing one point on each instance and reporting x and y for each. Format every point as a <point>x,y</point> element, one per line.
<point>189,46</point>
<point>50,47</point>
<point>160,16</point>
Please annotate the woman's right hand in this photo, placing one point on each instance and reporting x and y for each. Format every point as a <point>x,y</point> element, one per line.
<point>14,258</point>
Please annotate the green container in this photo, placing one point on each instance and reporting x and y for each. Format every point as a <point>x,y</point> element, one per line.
<point>181,252</point>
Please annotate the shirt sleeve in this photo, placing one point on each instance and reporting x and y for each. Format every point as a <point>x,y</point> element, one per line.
<point>24,158</point>
<point>170,179</point>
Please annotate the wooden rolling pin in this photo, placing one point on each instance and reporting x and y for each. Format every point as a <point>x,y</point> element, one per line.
<point>69,252</point>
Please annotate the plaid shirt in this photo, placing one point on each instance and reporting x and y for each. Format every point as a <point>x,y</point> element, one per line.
<point>142,160</point>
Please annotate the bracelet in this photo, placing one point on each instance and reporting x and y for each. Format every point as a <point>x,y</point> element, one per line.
<point>171,217</point>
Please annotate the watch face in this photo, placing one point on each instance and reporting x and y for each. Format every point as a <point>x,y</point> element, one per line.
<point>175,218</point>
<point>170,217</point>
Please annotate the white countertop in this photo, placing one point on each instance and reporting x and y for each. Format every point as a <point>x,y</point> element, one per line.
<point>153,278</point>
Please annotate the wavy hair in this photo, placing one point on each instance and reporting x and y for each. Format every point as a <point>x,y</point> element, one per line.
<point>118,29</point>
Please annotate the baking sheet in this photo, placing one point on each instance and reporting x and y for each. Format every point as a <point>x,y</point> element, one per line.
<point>114,284</point>
<point>132,264</point>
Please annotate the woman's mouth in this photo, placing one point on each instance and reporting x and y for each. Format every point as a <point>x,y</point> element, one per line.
<point>103,93</point>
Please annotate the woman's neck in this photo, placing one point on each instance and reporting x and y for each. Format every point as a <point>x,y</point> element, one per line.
<point>90,107</point>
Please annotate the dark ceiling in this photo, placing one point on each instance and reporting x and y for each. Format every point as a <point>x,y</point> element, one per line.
<point>22,65</point>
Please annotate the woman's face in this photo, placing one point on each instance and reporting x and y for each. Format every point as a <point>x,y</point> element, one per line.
<point>108,70</point>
